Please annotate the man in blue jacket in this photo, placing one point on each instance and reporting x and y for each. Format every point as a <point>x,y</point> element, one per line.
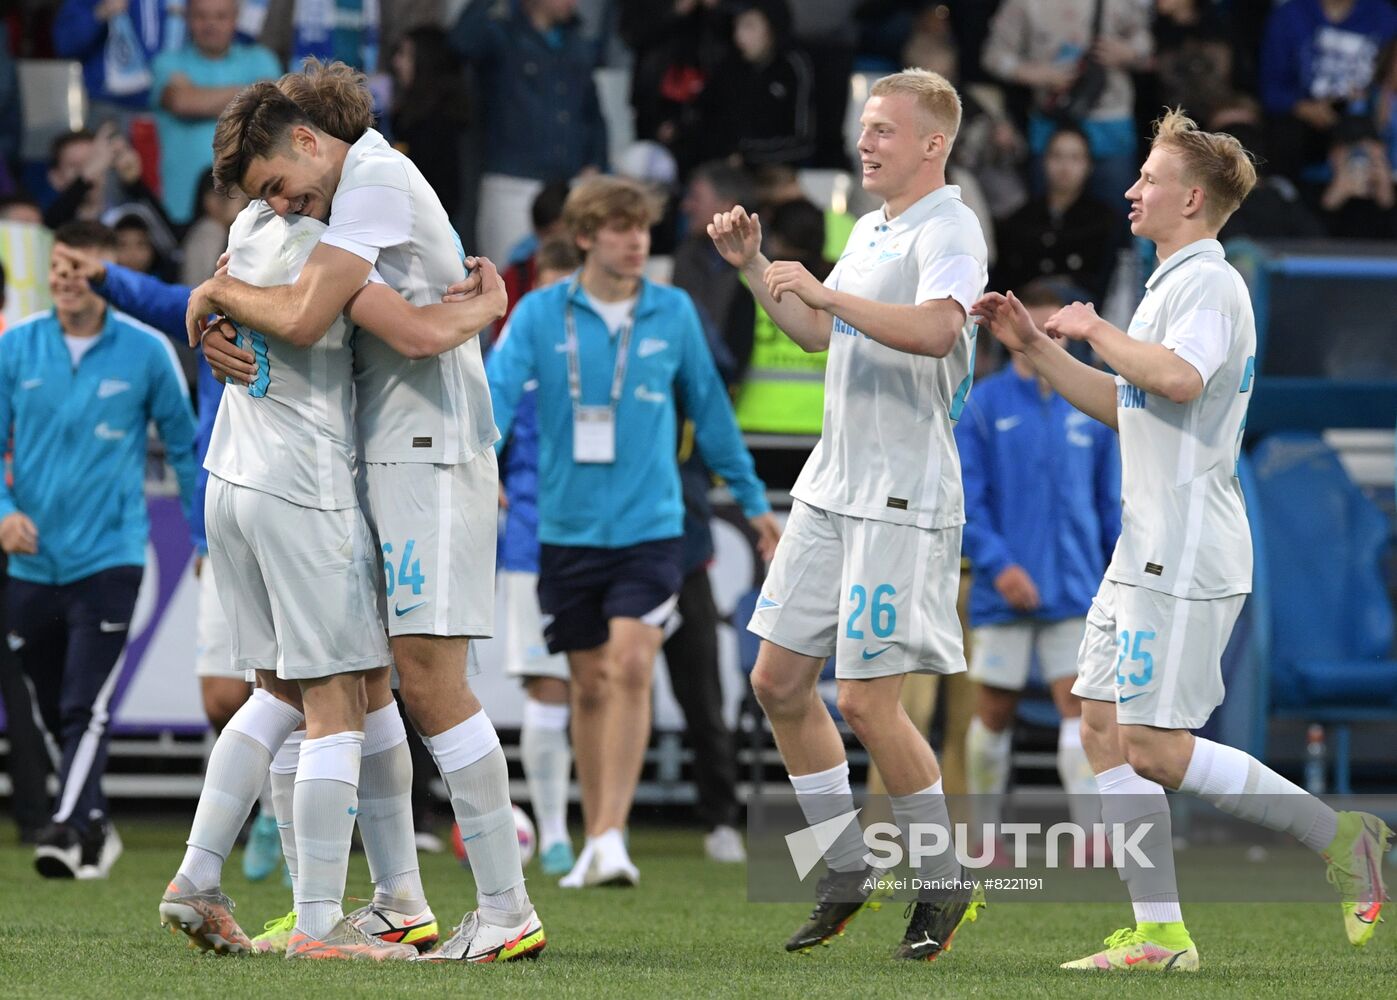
<point>1042,501</point>
<point>610,351</point>
<point>116,41</point>
<point>78,387</point>
<point>540,105</point>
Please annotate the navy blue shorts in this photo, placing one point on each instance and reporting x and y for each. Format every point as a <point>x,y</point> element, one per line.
<point>580,589</point>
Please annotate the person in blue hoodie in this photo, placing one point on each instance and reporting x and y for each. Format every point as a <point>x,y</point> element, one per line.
<point>611,352</point>
<point>1042,502</point>
<point>79,385</point>
<point>117,41</point>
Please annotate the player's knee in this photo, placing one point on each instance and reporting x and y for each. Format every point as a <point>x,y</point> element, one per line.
<point>997,714</point>
<point>591,688</point>
<point>861,712</point>
<point>1142,756</point>
<point>220,709</point>
<point>631,671</point>
<point>777,691</point>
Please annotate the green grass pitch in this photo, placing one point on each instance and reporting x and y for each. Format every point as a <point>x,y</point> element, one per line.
<point>686,931</point>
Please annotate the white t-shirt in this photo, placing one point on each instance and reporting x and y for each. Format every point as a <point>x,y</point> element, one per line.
<point>613,314</point>
<point>887,452</point>
<point>290,433</point>
<point>79,346</point>
<point>1183,520</point>
<point>436,410</point>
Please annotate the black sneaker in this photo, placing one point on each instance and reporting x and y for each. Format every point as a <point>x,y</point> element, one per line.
<point>934,919</point>
<point>838,898</point>
<point>58,853</point>
<point>100,848</point>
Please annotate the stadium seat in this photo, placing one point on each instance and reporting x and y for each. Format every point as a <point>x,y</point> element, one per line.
<point>1331,617</point>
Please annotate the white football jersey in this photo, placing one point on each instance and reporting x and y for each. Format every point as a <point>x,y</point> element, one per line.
<point>436,410</point>
<point>1183,520</point>
<point>291,432</point>
<point>886,451</point>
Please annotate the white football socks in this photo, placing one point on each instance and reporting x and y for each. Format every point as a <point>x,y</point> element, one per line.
<point>546,751</point>
<point>236,772</point>
<point>1242,786</point>
<point>385,812</point>
<point>326,800</point>
<point>473,767</point>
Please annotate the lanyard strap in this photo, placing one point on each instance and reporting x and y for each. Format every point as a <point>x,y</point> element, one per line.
<point>623,346</point>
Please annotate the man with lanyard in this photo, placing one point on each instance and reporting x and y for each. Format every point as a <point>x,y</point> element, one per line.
<point>610,513</point>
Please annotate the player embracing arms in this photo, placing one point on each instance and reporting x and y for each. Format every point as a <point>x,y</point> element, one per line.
<point>869,566</point>
<point>425,429</point>
<point>1149,667</point>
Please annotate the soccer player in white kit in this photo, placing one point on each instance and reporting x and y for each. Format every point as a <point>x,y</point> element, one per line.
<point>426,430</point>
<point>1149,668</point>
<point>869,566</point>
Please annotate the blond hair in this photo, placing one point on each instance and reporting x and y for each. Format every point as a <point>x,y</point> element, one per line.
<point>1215,161</point>
<point>933,93</point>
<point>599,200</point>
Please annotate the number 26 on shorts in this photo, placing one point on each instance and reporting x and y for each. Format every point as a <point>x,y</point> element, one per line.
<point>881,614</point>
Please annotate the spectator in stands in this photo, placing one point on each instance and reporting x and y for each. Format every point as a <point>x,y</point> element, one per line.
<point>431,110</point>
<point>192,84</point>
<point>1066,232</point>
<point>1317,62</point>
<point>760,104</point>
<point>207,238</point>
<point>1358,202</point>
<point>1042,502</point>
<point>93,172</point>
<point>539,107</point>
<point>1274,209</point>
<point>1192,65</point>
<point>1382,99</point>
<point>546,213</point>
<point>92,382</point>
<point>713,187</point>
<point>116,41</point>
<point>678,50</point>
<point>133,247</point>
<point>989,152</point>
<point>1048,45</point>
<point>21,208</point>
<point>355,33</point>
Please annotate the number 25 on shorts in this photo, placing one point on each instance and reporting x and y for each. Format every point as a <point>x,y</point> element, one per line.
<point>1134,648</point>
<point>881,614</point>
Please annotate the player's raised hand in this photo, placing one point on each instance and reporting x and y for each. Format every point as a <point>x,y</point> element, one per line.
<point>1075,322</point>
<point>768,534</point>
<point>1007,318</point>
<point>230,363</point>
<point>18,534</point>
<point>737,235</point>
<point>792,276</point>
<point>88,265</point>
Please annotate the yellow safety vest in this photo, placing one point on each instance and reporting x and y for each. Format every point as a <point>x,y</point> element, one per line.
<point>784,392</point>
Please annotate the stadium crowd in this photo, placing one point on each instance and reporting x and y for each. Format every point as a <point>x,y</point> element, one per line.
<point>731,102</point>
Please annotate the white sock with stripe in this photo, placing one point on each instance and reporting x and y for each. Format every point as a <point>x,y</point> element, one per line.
<point>1242,786</point>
